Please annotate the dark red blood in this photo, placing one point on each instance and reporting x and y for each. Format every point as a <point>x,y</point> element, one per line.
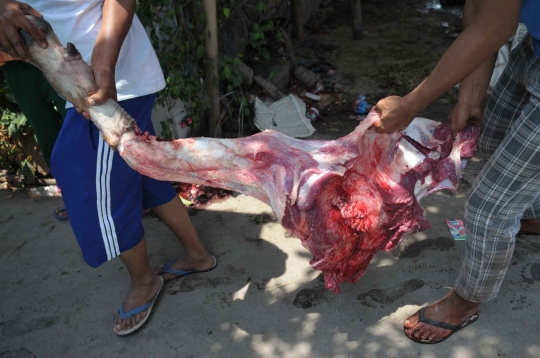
<point>201,195</point>
<point>345,199</point>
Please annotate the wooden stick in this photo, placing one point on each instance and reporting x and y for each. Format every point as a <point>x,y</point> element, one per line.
<point>212,77</point>
<point>297,18</point>
<point>358,31</point>
<point>247,74</point>
<point>268,88</point>
<point>289,48</point>
<point>249,77</point>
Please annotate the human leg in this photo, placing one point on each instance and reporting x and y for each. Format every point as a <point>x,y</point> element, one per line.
<point>36,99</point>
<point>505,189</point>
<point>104,199</point>
<point>143,288</point>
<point>174,214</point>
<point>161,197</point>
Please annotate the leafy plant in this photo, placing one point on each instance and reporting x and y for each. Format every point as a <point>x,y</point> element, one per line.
<point>176,29</point>
<point>258,39</point>
<point>166,129</point>
<point>26,170</point>
<point>13,126</point>
<point>15,123</point>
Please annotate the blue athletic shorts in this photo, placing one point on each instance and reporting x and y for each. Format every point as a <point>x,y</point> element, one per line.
<point>104,197</point>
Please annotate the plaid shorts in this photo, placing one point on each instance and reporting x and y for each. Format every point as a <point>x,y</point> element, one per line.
<point>508,187</point>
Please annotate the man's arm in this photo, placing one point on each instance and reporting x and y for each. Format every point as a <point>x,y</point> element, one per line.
<point>492,23</point>
<point>472,89</point>
<point>116,21</point>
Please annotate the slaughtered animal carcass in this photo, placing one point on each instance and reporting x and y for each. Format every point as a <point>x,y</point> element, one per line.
<point>345,199</point>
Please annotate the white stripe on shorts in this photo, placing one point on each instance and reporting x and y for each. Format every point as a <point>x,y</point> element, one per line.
<point>103,194</point>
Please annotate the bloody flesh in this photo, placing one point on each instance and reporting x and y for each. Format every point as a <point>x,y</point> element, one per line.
<point>345,199</point>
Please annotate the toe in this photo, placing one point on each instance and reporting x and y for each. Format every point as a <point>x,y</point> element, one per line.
<point>118,325</point>
<point>425,334</point>
<point>420,331</point>
<point>411,321</point>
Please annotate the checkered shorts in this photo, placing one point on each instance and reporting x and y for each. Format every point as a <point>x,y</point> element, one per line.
<point>508,187</point>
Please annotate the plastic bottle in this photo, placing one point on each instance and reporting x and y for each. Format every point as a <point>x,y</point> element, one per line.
<point>360,105</point>
<point>312,114</point>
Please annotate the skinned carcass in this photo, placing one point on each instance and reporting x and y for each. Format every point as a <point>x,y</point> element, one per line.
<point>345,199</point>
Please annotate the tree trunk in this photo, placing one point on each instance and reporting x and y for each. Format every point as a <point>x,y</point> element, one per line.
<point>212,77</point>
<point>297,19</point>
<point>358,31</point>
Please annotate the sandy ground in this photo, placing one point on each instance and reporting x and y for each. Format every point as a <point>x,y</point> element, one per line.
<point>264,300</point>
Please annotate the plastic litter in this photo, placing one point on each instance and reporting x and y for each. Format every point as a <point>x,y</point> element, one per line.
<point>287,116</point>
<point>360,105</point>
<point>313,96</point>
<point>312,114</point>
<point>49,190</point>
<point>457,229</point>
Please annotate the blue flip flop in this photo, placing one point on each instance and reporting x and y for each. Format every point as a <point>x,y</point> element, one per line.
<point>147,306</point>
<point>60,213</point>
<point>180,273</point>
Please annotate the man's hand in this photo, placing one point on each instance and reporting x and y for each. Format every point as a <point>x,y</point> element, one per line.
<point>116,21</point>
<point>106,87</point>
<point>12,18</point>
<point>462,114</point>
<point>396,114</point>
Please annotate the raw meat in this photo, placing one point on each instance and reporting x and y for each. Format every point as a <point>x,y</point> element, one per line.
<point>345,199</point>
<point>200,195</point>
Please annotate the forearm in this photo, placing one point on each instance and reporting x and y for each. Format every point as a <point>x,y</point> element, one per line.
<point>471,56</point>
<point>116,21</point>
<point>473,89</point>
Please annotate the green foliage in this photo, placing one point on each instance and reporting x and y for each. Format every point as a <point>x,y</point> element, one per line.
<point>230,74</point>
<point>15,123</point>
<point>176,29</point>
<point>26,170</point>
<point>258,39</point>
<point>166,129</point>
<point>12,127</point>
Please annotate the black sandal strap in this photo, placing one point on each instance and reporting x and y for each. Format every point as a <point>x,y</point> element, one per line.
<point>422,318</point>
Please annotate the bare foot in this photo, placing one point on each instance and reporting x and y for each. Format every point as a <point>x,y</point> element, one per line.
<point>139,294</point>
<point>452,309</point>
<point>187,263</point>
<point>530,225</point>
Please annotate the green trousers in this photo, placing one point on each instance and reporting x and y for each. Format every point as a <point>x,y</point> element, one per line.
<point>37,101</point>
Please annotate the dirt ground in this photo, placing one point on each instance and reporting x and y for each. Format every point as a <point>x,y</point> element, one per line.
<point>264,300</point>
<point>403,42</point>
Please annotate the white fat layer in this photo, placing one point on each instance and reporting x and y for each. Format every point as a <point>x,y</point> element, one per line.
<point>421,189</point>
<point>410,157</point>
<point>420,130</point>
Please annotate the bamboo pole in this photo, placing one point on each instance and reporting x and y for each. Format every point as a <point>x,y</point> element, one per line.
<point>297,19</point>
<point>212,77</point>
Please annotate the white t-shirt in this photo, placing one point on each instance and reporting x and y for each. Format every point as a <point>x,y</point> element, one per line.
<point>138,72</point>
